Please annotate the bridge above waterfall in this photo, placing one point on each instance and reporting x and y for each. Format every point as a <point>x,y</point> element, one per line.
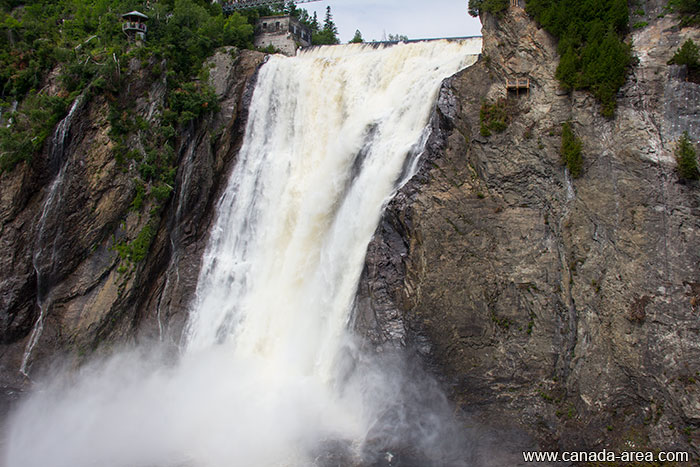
<point>236,5</point>
<point>406,41</point>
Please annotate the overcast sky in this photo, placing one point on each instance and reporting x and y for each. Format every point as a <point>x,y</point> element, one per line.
<point>413,18</point>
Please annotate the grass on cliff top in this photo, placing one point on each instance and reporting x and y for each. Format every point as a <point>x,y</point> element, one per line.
<point>495,7</point>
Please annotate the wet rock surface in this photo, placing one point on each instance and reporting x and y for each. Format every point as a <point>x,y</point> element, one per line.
<point>60,218</point>
<point>568,308</point>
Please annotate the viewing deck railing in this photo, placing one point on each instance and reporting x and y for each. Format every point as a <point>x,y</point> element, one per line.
<point>519,83</point>
<point>134,26</point>
<point>230,7</point>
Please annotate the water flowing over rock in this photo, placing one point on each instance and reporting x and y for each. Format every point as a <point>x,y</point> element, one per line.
<point>566,308</point>
<point>270,372</point>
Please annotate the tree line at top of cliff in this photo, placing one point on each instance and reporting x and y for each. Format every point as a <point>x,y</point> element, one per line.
<point>52,51</point>
<point>591,39</point>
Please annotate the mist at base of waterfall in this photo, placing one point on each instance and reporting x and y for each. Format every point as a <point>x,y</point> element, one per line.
<point>146,407</point>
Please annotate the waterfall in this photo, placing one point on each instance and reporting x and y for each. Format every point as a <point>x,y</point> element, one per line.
<point>269,373</point>
<point>56,162</point>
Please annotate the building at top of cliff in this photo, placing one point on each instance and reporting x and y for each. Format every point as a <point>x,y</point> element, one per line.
<point>284,33</point>
<point>135,25</point>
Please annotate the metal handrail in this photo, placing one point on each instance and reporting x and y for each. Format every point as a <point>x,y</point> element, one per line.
<point>518,83</point>
<point>230,7</point>
<point>131,25</point>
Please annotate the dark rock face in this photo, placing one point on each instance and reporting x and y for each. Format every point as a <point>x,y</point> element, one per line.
<point>569,306</point>
<point>59,218</point>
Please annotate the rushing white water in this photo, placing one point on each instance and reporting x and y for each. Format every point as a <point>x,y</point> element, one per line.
<point>268,374</point>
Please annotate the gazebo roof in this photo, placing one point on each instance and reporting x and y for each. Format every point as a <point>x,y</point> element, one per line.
<point>134,13</point>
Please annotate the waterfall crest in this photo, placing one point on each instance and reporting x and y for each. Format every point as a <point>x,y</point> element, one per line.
<point>263,377</point>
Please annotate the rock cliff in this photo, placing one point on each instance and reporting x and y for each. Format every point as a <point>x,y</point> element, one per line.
<point>569,306</point>
<point>63,290</point>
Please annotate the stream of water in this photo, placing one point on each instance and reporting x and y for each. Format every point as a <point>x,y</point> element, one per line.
<point>269,373</point>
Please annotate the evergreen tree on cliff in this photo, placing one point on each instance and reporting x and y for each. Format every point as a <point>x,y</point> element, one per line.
<point>314,23</point>
<point>687,158</point>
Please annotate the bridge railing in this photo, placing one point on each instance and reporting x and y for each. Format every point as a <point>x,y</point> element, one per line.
<point>231,6</point>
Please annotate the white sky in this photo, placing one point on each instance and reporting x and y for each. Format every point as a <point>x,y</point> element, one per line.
<point>413,18</point>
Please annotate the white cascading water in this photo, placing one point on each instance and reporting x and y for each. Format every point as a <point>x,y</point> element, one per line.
<point>263,378</point>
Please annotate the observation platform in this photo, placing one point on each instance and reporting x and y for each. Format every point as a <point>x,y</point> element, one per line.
<point>518,84</point>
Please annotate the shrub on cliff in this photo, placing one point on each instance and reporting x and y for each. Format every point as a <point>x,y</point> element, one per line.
<point>495,7</point>
<point>688,10</point>
<point>593,54</point>
<point>494,116</point>
<point>689,55</point>
<point>30,128</point>
<point>686,158</point>
<point>571,150</point>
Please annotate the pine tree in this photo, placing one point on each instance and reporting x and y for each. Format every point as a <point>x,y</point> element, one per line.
<point>357,38</point>
<point>686,158</point>
<point>571,150</point>
<point>314,23</point>
<point>688,54</point>
<point>329,34</point>
<point>328,24</point>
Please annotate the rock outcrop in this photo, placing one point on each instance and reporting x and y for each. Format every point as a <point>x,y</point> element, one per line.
<point>61,216</point>
<point>569,306</point>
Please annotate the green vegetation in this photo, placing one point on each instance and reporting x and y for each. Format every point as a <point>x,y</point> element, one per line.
<point>688,10</point>
<point>686,158</point>
<point>593,54</point>
<point>397,38</point>
<point>495,7</point>
<point>136,250</point>
<point>82,44</point>
<point>357,38</point>
<point>494,116</point>
<point>19,142</point>
<point>571,150</point>
<point>328,35</point>
<point>501,322</point>
<point>689,55</point>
